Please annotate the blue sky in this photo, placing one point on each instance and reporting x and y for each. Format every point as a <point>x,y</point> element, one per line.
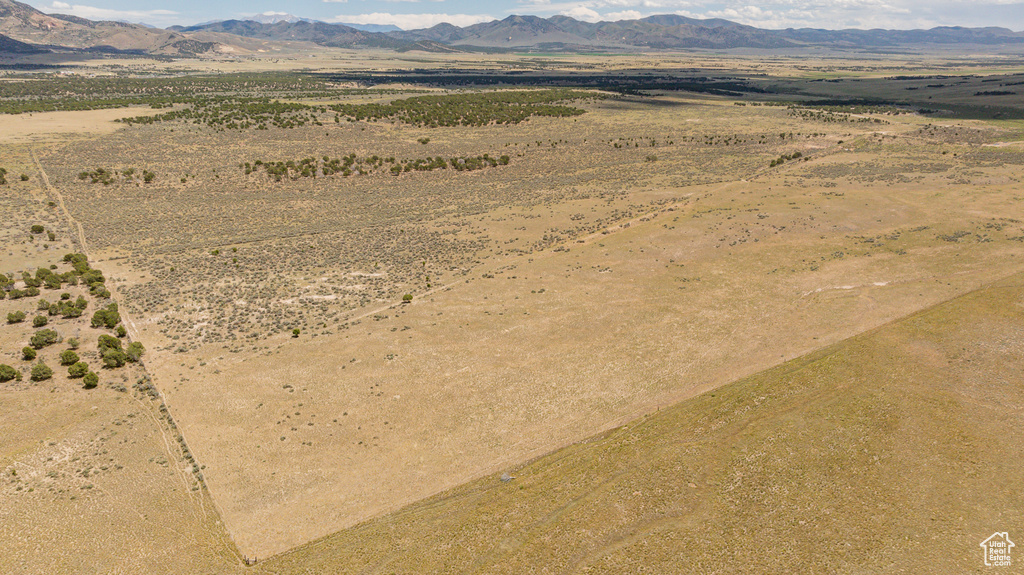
<point>411,14</point>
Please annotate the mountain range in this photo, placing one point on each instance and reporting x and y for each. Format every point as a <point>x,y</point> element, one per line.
<point>24,29</point>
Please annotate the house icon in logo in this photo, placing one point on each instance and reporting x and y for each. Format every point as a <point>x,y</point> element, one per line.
<point>997,549</point>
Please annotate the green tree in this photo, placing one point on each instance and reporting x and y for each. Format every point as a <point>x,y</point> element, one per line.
<point>43,338</point>
<point>38,229</point>
<point>90,380</point>
<point>78,369</point>
<point>134,351</point>
<point>106,317</point>
<point>120,331</point>
<point>7,373</point>
<point>73,342</point>
<point>113,358</point>
<point>40,321</point>
<point>68,357</point>
<point>16,317</point>
<point>68,310</point>
<point>28,354</point>
<point>41,372</point>
<point>107,342</point>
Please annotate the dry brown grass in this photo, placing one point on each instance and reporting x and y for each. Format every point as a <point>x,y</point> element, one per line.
<point>885,452</point>
<point>535,340</point>
<point>586,284</point>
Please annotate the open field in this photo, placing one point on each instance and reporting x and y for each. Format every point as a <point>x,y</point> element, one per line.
<point>881,453</point>
<point>404,311</point>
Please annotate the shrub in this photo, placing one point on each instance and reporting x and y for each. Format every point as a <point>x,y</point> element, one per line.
<point>134,351</point>
<point>16,317</point>
<point>28,354</point>
<point>90,380</point>
<point>38,229</point>
<point>39,321</point>
<point>41,372</point>
<point>43,338</point>
<point>68,357</point>
<point>42,304</point>
<point>106,317</point>
<point>114,358</point>
<point>121,331</point>
<point>91,276</point>
<point>78,369</point>
<point>73,342</point>
<point>7,373</point>
<point>68,310</point>
<point>107,342</point>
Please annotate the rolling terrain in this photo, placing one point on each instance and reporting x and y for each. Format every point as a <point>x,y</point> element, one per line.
<point>744,320</point>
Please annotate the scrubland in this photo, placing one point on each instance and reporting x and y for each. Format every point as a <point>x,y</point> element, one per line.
<point>669,311</point>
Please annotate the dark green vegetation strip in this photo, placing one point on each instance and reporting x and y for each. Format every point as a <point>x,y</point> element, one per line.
<point>476,109</point>
<point>50,92</point>
<point>351,164</point>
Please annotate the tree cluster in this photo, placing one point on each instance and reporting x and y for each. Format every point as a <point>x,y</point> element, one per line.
<point>350,165</point>
<point>784,158</point>
<point>107,176</point>
<point>107,317</point>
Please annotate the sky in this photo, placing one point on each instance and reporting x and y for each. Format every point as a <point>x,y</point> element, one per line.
<point>413,14</point>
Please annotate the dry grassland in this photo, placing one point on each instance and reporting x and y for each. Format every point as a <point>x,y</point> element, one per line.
<point>643,255</point>
<point>538,328</point>
<point>886,452</point>
<point>91,480</point>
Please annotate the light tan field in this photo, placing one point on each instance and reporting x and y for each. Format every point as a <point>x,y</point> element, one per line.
<point>91,481</point>
<point>639,258</point>
<point>49,127</point>
<point>886,452</point>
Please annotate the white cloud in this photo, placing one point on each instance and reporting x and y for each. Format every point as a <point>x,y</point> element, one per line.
<point>413,21</point>
<point>582,13</point>
<point>94,13</point>
<point>832,14</point>
<point>624,15</point>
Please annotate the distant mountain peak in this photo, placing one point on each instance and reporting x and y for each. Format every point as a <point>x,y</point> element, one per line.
<point>275,17</point>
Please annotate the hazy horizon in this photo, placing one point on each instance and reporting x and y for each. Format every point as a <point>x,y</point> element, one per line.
<point>410,15</point>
